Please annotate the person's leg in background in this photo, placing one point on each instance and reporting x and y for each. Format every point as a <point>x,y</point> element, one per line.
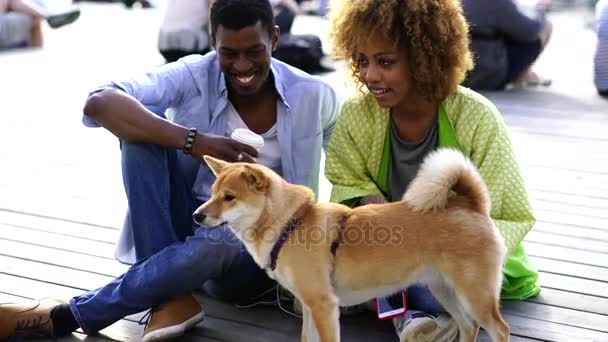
<point>14,30</point>
<point>38,14</point>
<point>35,15</point>
<point>521,58</point>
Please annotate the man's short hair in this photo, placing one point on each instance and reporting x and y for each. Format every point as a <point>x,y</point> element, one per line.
<point>238,14</point>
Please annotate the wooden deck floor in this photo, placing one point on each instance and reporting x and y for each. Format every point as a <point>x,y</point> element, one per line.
<point>61,199</point>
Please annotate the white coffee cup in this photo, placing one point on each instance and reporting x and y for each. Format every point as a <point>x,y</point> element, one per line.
<point>248,137</point>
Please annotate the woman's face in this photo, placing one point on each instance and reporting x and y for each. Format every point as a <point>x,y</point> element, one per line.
<point>384,70</point>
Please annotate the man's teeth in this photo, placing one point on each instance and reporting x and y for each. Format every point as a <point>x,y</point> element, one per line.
<point>379,91</point>
<point>245,79</point>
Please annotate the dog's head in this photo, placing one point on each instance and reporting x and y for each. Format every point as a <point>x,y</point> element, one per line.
<point>238,194</point>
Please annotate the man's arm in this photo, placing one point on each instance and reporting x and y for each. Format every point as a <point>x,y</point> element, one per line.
<point>330,108</point>
<point>129,120</point>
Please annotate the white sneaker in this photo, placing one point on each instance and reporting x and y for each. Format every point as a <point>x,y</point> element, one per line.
<point>418,326</point>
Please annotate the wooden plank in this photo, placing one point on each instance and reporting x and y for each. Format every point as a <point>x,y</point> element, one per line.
<point>570,180</point>
<point>553,158</point>
<point>62,258</point>
<point>561,197</point>
<point>362,327</point>
<point>572,219</point>
<point>32,288</point>
<point>566,254</point>
<point>52,274</point>
<point>570,209</point>
<point>67,243</point>
<point>555,127</point>
<point>570,269</point>
<point>584,244</point>
<point>548,186</point>
<point>58,226</point>
<point>570,300</point>
<point>544,330</point>
<point>572,284</point>
<point>548,313</point>
<point>568,231</point>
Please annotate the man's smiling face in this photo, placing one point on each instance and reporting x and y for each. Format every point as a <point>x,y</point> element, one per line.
<point>245,55</point>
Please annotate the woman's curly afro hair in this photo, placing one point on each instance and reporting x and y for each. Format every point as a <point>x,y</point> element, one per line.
<point>433,32</point>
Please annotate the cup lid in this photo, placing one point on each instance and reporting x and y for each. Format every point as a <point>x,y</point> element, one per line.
<point>248,137</point>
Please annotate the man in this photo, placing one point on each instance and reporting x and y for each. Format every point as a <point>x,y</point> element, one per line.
<point>205,98</point>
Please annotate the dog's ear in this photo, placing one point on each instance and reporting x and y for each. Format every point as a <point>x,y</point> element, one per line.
<point>255,178</point>
<point>216,165</point>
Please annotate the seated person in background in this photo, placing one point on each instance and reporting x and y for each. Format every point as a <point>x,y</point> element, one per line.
<point>285,13</point>
<point>184,29</point>
<point>15,30</point>
<point>408,57</point>
<point>601,50</point>
<point>505,42</point>
<point>36,14</point>
<point>205,98</point>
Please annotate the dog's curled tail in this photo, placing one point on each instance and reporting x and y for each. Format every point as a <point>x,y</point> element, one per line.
<point>444,170</point>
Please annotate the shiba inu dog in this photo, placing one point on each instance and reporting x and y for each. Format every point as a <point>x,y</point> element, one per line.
<point>439,234</point>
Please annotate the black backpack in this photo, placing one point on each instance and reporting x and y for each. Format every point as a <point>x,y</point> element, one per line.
<point>303,51</point>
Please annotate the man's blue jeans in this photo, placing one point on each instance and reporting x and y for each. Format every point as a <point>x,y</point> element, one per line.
<point>170,263</point>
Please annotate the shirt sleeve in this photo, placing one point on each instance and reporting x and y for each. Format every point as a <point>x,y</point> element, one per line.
<point>345,166</point>
<point>493,154</point>
<point>329,114</point>
<point>159,89</point>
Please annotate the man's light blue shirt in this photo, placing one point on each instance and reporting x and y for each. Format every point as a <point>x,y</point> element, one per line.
<point>192,92</point>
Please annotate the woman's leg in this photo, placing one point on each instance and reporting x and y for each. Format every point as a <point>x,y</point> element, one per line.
<point>36,38</point>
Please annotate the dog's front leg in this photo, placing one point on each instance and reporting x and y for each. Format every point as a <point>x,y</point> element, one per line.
<point>324,317</point>
<point>309,332</point>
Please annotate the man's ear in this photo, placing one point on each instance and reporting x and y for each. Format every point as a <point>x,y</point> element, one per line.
<point>256,178</point>
<point>216,165</point>
<point>274,39</point>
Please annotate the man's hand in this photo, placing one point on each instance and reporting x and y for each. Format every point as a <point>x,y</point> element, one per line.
<point>222,148</point>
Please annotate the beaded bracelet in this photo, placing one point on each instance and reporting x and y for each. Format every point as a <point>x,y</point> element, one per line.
<point>190,141</point>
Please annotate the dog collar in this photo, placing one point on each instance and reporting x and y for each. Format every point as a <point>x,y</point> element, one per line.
<point>293,223</point>
<point>274,253</point>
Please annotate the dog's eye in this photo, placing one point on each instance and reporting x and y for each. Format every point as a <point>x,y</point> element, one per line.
<point>228,198</point>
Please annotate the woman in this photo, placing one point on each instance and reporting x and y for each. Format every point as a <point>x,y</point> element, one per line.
<point>408,58</point>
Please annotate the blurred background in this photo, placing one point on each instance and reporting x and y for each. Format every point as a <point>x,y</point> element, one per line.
<point>48,158</point>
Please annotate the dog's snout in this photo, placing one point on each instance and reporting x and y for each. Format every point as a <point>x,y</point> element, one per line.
<point>198,217</point>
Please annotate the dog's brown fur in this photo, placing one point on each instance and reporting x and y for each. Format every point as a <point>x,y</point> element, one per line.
<point>447,242</point>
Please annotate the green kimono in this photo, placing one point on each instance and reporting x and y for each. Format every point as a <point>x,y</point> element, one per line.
<point>358,158</point>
